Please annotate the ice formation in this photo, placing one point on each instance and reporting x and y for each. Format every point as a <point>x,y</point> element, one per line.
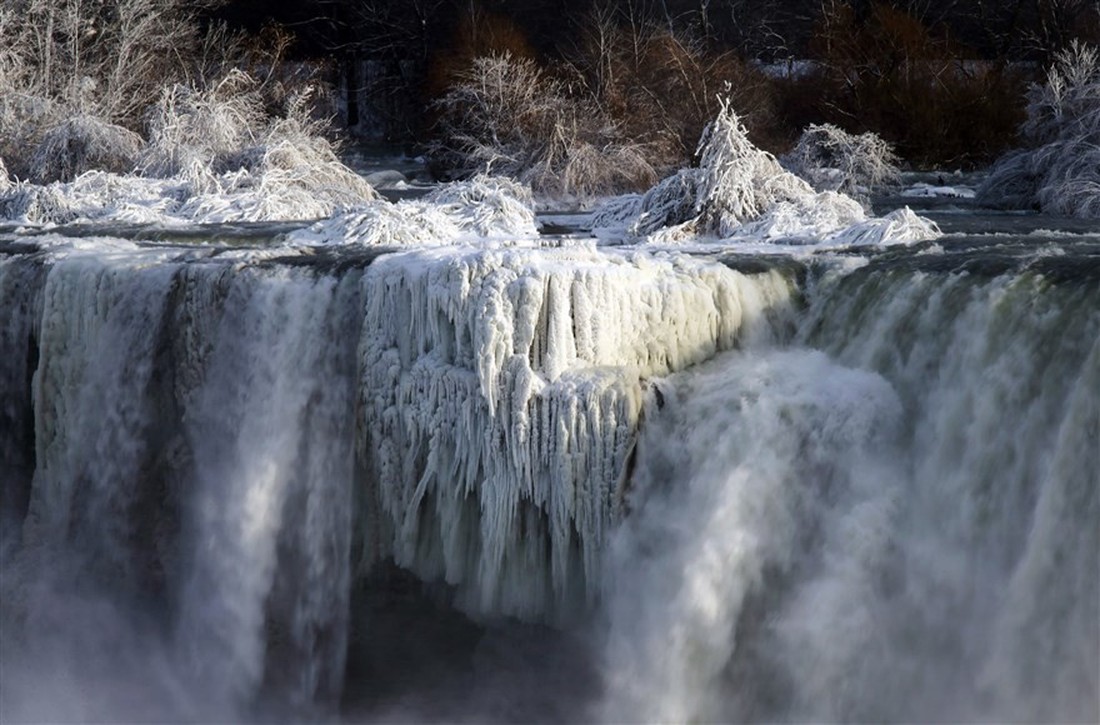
<point>1060,172</point>
<point>769,503</point>
<point>505,388</point>
<point>740,193</point>
<point>923,190</point>
<point>468,412</point>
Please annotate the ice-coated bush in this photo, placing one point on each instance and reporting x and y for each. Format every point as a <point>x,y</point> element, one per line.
<point>488,206</point>
<point>382,224</point>
<point>832,159</point>
<point>193,131</point>
<point>5,182</point>
<point>506,116</point>
<point>740,193</point>
<point>735,182</point>
<point>1059,172</point>
<point>461,211</point>
<point>83,143</point>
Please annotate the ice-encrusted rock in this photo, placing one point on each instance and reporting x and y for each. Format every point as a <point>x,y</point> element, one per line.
<point>501,397</point>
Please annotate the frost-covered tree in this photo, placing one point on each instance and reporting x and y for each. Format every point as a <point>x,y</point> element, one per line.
<point>1060,170</point>
<point>73,72</point>
<point>832,159</point>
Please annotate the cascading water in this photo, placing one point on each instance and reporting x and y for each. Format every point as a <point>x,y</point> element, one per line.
<point>878,503</point>
<point>825,548</point>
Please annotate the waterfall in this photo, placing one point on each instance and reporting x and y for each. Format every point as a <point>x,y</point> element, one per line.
<point>907,529</point>
<point>841,489</point>
<point>225,441</point>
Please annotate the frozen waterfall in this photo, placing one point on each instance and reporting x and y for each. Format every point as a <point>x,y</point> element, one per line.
<point>836,488</point>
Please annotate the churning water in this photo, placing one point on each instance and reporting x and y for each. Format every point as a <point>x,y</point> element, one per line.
<point>556,484</point>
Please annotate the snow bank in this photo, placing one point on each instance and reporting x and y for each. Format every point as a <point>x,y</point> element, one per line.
<point>1060,173</point>
<point>482,207</point>
<point>501,396</point>
<point>832,159</point>
<point>740,193</point>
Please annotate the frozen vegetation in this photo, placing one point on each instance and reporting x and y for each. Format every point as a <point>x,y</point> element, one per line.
<point>1059,170</point>
<point>741,193</point>
<point>484,206</point>
<point>212,155</point>
<point>832,159</point>
<point>504,115</point>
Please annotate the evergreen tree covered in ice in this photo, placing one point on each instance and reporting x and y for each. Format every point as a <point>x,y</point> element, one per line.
<point>1060,170</point>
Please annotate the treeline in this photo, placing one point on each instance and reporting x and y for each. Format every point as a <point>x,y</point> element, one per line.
<point>1031,30</point>
<point>943,81</point>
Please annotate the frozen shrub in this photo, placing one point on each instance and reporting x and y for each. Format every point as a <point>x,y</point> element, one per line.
<point>617,212</point>
<point>738,182</point>
<point>460,211</point>
<point>31,204</point>
<point>1060,171</point>
<point>735,182</point>
<point>807,219</point>
<point>23,118</point>
<point>741,193</point>
<point>900,226</point>
<point>191,131</point>
<point>832,159</point>
<point>592,171</point>
<point>382,224</point>
<point>488,206</point>
<point>506,116</point>
<point>242,165</point>
<point>671,202</point>
<point>5,182</point>
<point>83,143</point>
<point>1068,104</point>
